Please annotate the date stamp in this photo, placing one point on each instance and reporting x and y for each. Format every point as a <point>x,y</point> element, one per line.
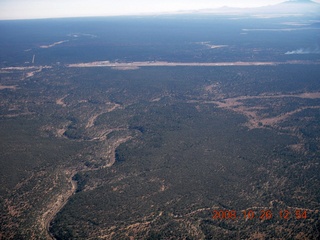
<point>264,214</point>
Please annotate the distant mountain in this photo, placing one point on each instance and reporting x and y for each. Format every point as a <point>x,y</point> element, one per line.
<point>297,7</point>
<point>300,1</point>
<point>305,7</point>
<point>290,7</point>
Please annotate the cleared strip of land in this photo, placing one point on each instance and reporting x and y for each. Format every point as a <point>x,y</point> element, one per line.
<point>53,44</point>
<point>25,68</point>
<point>134,65</point>
<point>14,87</point>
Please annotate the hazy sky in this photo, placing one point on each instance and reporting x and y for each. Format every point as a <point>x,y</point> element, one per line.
<point>26,9</point>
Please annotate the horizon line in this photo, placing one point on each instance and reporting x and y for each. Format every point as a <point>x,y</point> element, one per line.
<point>160,13</point>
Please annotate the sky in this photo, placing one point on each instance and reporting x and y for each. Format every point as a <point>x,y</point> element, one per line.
<point>33,9</point>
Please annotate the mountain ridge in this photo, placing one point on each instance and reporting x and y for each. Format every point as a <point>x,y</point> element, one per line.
<point>304,7</point>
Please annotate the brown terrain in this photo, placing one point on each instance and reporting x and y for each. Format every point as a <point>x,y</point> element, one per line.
<point>236,104</point>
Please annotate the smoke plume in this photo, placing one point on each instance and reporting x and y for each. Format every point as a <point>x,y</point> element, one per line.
<point>304,51</point>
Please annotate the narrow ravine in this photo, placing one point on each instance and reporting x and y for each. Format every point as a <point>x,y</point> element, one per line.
<point>63,199</point>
